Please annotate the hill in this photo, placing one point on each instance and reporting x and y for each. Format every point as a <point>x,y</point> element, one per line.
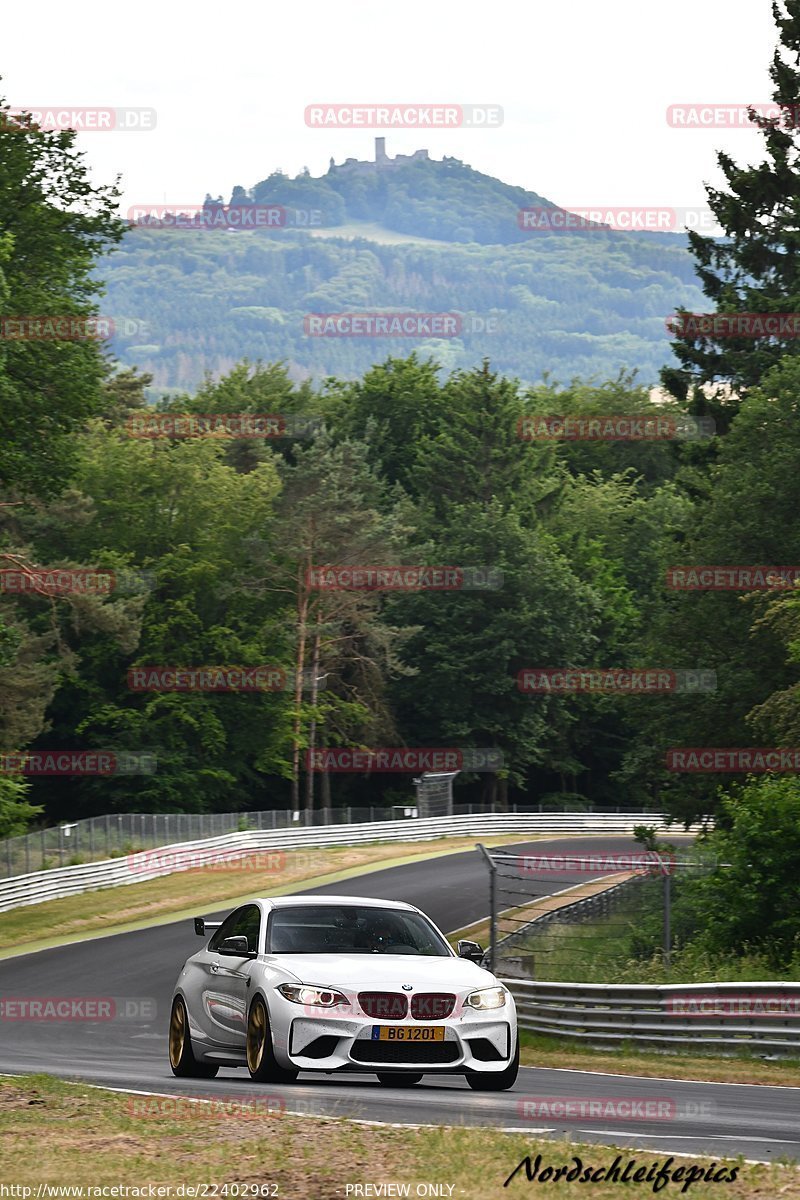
<point>417,235</point>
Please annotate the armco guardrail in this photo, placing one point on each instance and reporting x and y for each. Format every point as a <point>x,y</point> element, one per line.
<point>108,836</point>
<point>38,886</point>
<point>726,1016</point>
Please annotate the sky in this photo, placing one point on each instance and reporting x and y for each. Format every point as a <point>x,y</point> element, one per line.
<point>584,88</point>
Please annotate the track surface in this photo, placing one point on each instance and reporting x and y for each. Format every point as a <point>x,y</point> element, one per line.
<point>716,1119</point>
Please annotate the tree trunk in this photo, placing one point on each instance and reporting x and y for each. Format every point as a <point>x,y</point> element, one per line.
<point>299,667</point>
<point>502,794</point>
<point>325,790</point>
<point>312,729</point>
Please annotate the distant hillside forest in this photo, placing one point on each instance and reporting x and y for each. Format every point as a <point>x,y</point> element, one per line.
<point>591,303</point>
<point>580,304</point>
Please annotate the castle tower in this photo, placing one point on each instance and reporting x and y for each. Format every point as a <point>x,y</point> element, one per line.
<point>380,151</point>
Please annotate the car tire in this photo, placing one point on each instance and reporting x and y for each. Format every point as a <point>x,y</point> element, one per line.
<point>398,1080</point>
<point>496,1081</point>
<point>261,1061</point>
<point>181,1056</point>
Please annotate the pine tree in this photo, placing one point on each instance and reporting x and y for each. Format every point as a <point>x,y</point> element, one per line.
<point>755,267</point>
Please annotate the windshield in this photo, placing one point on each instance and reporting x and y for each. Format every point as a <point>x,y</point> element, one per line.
<point>348,929</point>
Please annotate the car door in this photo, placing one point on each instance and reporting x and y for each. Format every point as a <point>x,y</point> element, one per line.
<point>226,980</point>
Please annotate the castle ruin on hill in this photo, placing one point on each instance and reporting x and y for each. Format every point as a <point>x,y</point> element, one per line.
<point>382,160</point>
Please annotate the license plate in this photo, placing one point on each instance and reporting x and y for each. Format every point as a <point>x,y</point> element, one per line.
<point>408,1033</point>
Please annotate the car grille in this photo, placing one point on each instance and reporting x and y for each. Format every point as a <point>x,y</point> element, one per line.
<point>432,1006</point>
<point>404,1052</point>
<point>388,1006</point>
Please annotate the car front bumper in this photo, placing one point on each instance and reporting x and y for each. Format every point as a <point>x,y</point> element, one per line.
<point>481,1042</point>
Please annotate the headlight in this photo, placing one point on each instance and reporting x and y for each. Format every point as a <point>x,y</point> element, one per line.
<point>301,993</point>
<point>494,997</point>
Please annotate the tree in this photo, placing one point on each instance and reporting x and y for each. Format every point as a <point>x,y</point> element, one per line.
<point>395,405</point>
<point>470,645</point>
<point>476,453</point>
<point>751,518</point>
<point>54,225</point>
<point>335,511</point>
<point>181,519</point>
<point>752,903</point>
<point>754,267</point>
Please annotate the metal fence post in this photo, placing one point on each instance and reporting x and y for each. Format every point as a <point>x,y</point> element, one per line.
<point>667,913</point>
<point>492,904</point>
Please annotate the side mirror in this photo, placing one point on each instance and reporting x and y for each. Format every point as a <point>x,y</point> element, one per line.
<point>470,950</point>
<point>203,927</point>
<point>237,947</point>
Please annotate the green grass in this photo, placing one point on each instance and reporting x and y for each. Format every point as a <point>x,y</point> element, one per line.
<point>541,1050</point>
<point>53,1132</point>
<point>616,949</point>
<point>205,889</point>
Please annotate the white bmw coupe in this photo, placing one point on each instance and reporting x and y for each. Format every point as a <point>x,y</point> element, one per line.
<point>310,983</point>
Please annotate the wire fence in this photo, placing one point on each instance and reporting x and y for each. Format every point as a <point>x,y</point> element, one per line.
<point>116,834</point>
<point>584,918</point>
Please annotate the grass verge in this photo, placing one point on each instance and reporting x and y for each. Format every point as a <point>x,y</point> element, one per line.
<point>539,1050</point>
<point>91,1138</point>
<point>156,901</point>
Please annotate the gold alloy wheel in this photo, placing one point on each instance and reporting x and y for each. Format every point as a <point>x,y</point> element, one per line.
<point>256,1034</point>
<point>177,1033</point>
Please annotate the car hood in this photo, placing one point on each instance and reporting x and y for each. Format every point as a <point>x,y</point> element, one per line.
<point>388,971</point>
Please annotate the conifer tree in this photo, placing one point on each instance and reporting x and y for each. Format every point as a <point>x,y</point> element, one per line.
<point>755,267</point>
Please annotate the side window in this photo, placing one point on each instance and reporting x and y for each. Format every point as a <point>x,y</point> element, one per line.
<point>245,922</point>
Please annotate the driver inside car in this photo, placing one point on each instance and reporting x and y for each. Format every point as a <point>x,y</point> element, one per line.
<point>386,936</point>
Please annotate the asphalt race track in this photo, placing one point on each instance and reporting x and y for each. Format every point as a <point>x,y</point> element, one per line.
<point>714,1119</point>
